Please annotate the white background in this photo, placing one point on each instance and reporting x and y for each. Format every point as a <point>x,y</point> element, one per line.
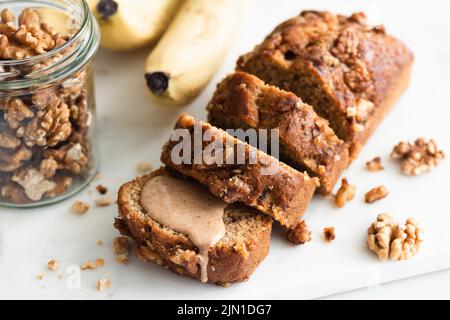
<point>131,129</point>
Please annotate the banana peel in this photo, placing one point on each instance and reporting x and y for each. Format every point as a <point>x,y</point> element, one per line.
<point>192,49</point>
<point>131,24</point>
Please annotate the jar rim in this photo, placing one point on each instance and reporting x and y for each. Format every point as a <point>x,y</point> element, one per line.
<point>88,26</point>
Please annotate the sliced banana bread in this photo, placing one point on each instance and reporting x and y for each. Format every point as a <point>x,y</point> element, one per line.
<point>306,141</point>
<point>349,72</point>
<point>246,174</point>
<point>233,258</point>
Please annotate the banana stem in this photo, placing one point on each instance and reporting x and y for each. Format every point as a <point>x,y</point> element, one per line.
<point>107,8</point>
<point>157,82</point>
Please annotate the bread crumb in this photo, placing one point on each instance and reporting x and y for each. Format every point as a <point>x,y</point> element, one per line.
<point>103,201</point>
<point>329,234</point>
<point>80,207</point>
<point>53,265</point>
<point>144,167</point>
<point>88,265</point>
<point>300,234</point>
<point>375,164</point>
<point>104,283</point>
<point>99,242</point>
<point>100,262</point>
<point>60,276</point>
<point>121,247</point>
<point>41,276</point>
<point>101,189</point>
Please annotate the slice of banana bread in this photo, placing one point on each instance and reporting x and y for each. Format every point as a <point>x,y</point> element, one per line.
<point>349,72</point>
<point>306,141</point>
<point>246,175</point>
<point>232,259</point>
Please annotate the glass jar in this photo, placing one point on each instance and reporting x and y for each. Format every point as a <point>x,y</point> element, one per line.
<point>47,104</point>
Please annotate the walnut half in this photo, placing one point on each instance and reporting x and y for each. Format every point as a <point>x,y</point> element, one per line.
<point>390,240</point>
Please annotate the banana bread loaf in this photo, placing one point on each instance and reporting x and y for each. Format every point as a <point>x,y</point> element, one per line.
<point>349,72</point>
<point>233,258</point>
<point>306,141</point>
<point>246,175</point>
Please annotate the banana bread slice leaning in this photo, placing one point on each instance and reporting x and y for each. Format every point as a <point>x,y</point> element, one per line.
<point>238,172</point>
<point>349,72</point>
<point>232,259</point>
<point>306,141</point>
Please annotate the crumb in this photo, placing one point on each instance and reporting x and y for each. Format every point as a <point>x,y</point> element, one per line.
<point>103,201</point>
<point>300,234</point>
<point>104,283</point>
<point>80,207</point>
<point>98,176</point>
<point>144,167</point>
<point>41,276</point>
<point>60,276</point>
<point>99,262</point>
<point>375,164</point>
<point>329,234</point>
<point>121,247</point>
<point>88,265</point>
<point>345,193</point>
<point>99,242</point>
<point>53,265</point>
<point>101,189</point>
<point>376,194</point>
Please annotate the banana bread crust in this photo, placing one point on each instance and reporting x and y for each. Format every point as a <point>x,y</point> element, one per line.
<point>229,261</point>
<point>306,141</point>
<point>349,72</point>
<point>283,194</point>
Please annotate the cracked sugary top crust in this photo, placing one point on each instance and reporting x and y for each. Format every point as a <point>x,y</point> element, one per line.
<point>283,194</point>
<point>350,72</point>
<point>307,142</point>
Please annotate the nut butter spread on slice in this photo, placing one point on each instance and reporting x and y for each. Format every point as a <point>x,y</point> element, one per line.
<point>186,208</point>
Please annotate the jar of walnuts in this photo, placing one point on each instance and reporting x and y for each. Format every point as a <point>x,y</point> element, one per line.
<point>47,103</point>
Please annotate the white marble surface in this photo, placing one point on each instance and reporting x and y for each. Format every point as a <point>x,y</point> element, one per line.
<point>132,129</point>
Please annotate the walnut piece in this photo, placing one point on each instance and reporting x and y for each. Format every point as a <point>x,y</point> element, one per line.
<point>375,164</point>
<point>34,183</point>
<point>88,265</point>
<point>300,234</point>
<point>376,194</point>
<point>345,193</point>
<point>390,240</point>
<point>329,234</point>
<point>13,160</point>
<point>121,247</point>
<point>53,265</point>
<point>104,283</point>
<point>80,207</point>
<point>145,253</point>
<point>99,262</point>
<point>419,157</point>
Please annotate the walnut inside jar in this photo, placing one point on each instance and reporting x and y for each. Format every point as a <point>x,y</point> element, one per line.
<point>45,145</point>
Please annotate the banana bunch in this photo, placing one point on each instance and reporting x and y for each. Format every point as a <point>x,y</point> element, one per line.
<point>192,49</point>
<point>130,24</point>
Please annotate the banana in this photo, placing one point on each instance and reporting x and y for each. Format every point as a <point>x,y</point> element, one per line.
<point>192,49</point>
<point>130,24</point>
